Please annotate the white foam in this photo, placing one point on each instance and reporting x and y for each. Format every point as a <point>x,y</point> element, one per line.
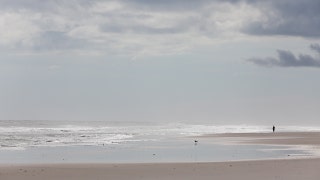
<point>21,136</point>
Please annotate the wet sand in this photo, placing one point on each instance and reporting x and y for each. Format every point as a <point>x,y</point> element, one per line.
<point>288,169</point>
<point>277,138</point>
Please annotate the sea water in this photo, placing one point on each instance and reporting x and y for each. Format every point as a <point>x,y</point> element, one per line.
<point>114,142</point>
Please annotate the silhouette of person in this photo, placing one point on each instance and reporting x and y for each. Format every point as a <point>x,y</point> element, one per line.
<point>273,128</point>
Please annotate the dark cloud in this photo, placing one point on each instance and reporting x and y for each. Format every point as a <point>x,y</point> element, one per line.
<point>315,47</point>
<point>288,59</point>
<point>286,17</point>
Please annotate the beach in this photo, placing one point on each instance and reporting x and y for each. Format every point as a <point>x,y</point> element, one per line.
<point>292,168</point>
<point>159,90</point>
<point>296,169</point>
<point>277,138</point>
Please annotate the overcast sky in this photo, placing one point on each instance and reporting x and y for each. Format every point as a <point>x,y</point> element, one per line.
<point>231,62</point>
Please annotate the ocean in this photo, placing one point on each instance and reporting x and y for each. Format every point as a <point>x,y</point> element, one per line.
<point>113,142</point>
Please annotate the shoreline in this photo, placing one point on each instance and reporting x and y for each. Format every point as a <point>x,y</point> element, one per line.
<point>293,168</point>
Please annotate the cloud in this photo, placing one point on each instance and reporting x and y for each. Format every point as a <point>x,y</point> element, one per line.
<point>136,27</point>
<point>286,17</point>
<point>55,40</point>
<point>117,27</point>
<point>288,59</point>
<point>315,47</point>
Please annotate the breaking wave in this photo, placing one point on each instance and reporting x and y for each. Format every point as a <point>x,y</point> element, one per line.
<point>21,134</point>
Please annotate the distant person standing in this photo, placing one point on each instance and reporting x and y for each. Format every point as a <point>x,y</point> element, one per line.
<point>273,128</point>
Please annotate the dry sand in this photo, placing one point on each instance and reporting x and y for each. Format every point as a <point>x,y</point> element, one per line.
<point>286,169</point>
<point>297,169</point>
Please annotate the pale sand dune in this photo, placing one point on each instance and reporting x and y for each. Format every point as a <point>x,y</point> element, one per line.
<point>289,169</point>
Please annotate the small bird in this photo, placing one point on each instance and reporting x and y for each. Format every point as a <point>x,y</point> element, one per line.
<point>195,142</point>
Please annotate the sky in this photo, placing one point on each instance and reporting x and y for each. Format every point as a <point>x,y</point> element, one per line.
<point>204,61</point>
